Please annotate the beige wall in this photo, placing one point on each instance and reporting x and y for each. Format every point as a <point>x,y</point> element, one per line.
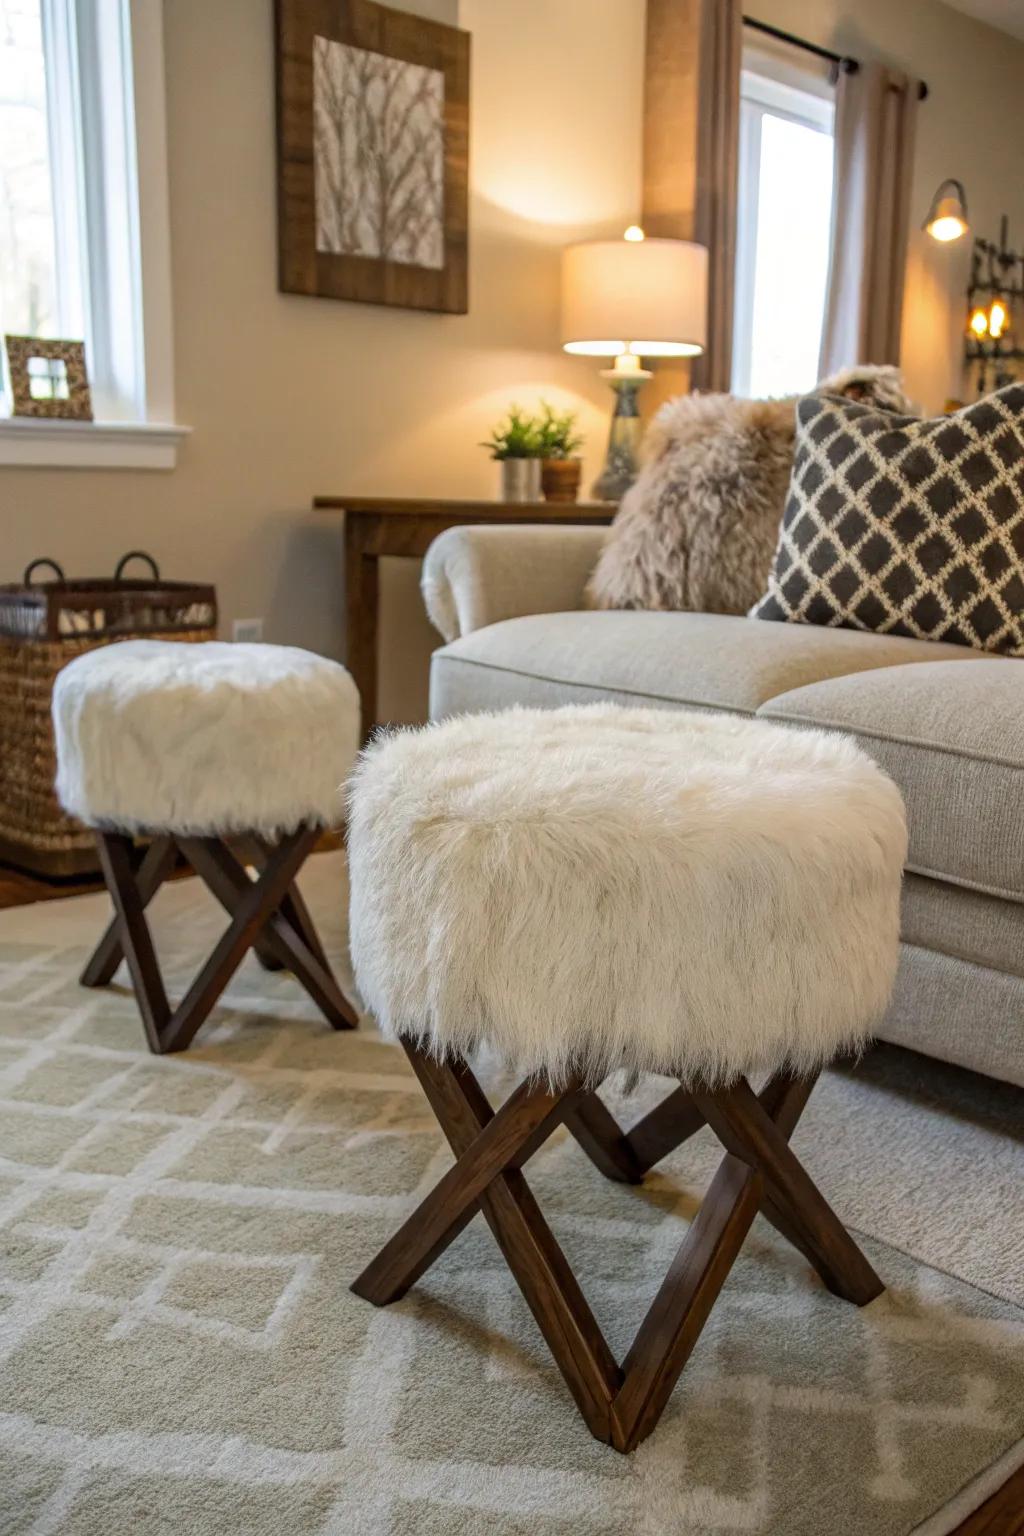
<point>288,396</point>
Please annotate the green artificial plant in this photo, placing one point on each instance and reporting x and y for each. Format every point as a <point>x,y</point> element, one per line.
<point>516,437</point>
<point>556,433</point>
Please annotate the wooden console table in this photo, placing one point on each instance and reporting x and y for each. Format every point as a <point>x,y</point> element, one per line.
<point>389,526</point>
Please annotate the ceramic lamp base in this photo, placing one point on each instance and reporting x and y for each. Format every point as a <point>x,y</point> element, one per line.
<point>622,460</point>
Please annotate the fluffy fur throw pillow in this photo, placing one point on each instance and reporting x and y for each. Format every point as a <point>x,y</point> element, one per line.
<point>697,532</point>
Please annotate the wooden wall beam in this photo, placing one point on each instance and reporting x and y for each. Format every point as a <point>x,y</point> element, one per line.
<point>693,55</point>
<point>672,54</point>
<point>671,96</point>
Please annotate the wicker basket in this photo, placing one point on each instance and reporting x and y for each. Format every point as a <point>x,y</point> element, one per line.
<point>42,628</point>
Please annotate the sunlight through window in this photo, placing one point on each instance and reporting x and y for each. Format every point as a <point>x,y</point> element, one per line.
<point>784,228</point>
<point>28,289</point>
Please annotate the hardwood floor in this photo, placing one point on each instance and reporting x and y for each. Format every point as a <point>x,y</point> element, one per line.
<point>1002,1515</point>
<point>18,889</point>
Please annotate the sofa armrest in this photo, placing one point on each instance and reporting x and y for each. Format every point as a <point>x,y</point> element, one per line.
<point>478,575</point>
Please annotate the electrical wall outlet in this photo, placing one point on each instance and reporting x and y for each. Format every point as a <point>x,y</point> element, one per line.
<point>247,631</point>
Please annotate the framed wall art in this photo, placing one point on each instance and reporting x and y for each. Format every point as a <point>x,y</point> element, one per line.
<point>373,155</point>
<point>49,379</point>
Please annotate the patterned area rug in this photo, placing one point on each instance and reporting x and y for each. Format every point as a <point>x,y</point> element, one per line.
<point>179,1350</point>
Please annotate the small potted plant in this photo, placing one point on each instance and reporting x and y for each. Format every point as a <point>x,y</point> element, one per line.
<point>559,441</point>
<point>515,444</point>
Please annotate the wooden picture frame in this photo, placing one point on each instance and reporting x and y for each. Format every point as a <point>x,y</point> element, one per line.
<point>372,155</point>
<point>70,398</point>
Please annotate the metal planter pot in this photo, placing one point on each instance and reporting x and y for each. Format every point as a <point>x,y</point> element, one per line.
<point>520,479</point>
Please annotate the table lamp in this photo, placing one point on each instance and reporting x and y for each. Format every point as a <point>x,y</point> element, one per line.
<point>629,299</point>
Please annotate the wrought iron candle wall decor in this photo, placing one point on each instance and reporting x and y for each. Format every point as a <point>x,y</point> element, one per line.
<point>995,311</point>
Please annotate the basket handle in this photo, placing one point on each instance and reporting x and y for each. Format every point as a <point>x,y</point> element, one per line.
<point>36,565</point>
<point>136,554</point>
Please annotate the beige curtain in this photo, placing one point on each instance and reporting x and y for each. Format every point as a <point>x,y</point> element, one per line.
<point>718,131</point>
<point>876,114</point>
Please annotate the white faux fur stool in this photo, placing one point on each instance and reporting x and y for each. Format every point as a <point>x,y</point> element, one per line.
<point>191,745</point>
<point>591,888</point>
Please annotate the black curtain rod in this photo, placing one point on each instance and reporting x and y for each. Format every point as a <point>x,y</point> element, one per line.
<point>841,61</point>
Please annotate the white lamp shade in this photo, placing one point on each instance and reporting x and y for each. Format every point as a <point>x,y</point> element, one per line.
<point>643,296</point>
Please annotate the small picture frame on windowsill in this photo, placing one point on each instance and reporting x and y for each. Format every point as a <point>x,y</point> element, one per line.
<point>49,379</point>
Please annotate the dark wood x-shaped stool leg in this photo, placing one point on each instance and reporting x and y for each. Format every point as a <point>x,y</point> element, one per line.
<point>621,1404</point>
<point>267,914</point>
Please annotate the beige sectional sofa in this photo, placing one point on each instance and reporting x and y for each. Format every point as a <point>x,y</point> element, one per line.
<point>946,722</point>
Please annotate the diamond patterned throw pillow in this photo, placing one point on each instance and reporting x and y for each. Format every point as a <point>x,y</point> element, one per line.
<point>906,527</point>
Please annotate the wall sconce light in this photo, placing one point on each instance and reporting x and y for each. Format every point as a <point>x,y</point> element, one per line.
<point>947,216</point>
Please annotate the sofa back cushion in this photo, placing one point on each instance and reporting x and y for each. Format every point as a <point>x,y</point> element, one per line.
<point>906,527</point>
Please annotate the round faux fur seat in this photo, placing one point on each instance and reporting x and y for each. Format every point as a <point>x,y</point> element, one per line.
<point>594,887</point>
<point>202,739</point>
<point>198,746</point>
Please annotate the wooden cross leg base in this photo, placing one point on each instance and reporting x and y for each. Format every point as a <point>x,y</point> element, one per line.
<point>267,914</point>
<point>620,1403</point>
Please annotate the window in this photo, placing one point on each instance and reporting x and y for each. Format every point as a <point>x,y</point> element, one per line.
<point>74,262</point>
<point>783,226</point>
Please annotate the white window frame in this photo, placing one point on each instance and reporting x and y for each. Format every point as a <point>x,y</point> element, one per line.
<point>118,163</point>
<point>775,85</point>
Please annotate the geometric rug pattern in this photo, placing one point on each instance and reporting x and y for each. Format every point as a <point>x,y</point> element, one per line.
<point>179,1350</point>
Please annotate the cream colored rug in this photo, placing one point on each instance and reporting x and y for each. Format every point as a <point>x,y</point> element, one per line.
<point>179,1350</point>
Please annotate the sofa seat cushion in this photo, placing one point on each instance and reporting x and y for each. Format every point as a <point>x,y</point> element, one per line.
<point>967,925</point>
<point>952,737</point>
<point>958,1012</point>
<point>706,660</point>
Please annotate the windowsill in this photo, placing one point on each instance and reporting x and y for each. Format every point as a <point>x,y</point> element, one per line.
<point>88,444</point>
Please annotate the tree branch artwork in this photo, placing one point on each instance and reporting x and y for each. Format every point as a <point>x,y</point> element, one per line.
<point>378,145</point>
